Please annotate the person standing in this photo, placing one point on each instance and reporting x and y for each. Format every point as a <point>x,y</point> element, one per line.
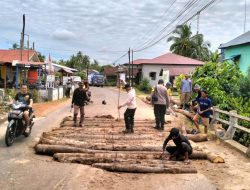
<point>161,103</point>
<point>204,111</point>
<point>131,108</point>
<point>79,97</point>
<point>186,91</point>
<point>68,88</point>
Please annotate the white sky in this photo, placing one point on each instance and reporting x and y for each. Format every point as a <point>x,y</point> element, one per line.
<point>105,29</point>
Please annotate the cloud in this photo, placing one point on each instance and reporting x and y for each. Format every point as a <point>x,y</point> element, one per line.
<point>89,25</point>
<point>63,34</point>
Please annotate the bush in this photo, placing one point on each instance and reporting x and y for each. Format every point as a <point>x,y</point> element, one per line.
<point>145,86</point>
<point>228,89</point>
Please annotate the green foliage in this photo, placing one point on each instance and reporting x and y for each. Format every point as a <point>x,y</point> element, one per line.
<point>41,57</point>
<point>81,74</point>
<point>187,45</point>
<point>228,88</point>
<point>178,82</point>
<point>145,86</point>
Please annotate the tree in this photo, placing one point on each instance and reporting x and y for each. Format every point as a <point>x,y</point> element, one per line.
<point>41,57</point>
<point>184,43</point>
<point>15,46</point>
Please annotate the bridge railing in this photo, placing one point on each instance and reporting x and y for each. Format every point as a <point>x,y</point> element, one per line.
<point>232,122</point>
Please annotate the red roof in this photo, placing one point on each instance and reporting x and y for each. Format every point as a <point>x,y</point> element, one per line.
<point>9,55</point>
<point>170,59</point>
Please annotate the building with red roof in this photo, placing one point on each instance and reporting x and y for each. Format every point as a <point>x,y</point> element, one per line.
<point>24,66</point>
<point>166,67</point>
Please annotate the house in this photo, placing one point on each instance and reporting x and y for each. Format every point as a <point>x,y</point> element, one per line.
<point>166,67</point>
<point>238,51</point>
<point>17,67</point>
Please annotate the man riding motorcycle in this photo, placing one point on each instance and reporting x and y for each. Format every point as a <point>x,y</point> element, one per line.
<point>26,98</point>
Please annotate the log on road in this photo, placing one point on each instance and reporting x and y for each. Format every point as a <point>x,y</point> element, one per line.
<point>198,137</point>
<point>137,168</point>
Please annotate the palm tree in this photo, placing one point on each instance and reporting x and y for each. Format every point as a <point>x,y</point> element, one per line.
<point>202,51</point>
<point>187,45</point>
<point>183,43</point>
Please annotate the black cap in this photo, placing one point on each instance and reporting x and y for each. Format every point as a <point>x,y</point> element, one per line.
<point>174,132</point>
<point>126,86</point>
<point>160,81</point>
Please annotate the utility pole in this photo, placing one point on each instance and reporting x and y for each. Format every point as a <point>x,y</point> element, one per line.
<point>245,16</point>
<point>33,46</point>
<point>129,79</point>
<point>132,68</point>
<point>22,38</point>
<point>198,21</point>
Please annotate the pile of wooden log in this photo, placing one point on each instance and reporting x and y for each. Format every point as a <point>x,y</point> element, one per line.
<point>102,144</point>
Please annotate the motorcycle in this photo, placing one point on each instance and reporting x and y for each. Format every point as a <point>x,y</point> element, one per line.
<point>16,125</point>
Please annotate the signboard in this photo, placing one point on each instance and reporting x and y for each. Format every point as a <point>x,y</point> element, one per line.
<point>165,76</point>
<point>122,77</point>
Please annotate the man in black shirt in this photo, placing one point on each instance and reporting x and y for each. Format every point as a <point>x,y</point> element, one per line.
<point>26,98</point>
<point>182,148</point>
<point>78,99</point>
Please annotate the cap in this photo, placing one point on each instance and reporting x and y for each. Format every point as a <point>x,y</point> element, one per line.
<point>160,81</point>
<point>168,84</point>
<point>196,87</point>
<point>126,86</point>
<point>174,132</point>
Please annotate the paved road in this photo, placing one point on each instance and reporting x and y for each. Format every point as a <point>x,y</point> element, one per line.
<point>22,169</point>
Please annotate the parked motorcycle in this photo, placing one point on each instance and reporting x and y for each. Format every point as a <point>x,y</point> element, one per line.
<point>16,125</point>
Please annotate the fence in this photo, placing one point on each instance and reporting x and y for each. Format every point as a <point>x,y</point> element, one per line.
<point>233,125</point>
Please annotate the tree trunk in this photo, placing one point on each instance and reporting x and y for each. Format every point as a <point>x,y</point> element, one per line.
<point>197,137</point>
<point>137,168</point>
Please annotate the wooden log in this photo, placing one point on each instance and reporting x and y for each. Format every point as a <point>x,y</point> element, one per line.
<point>186,113</point>
<point>101,146</point>
<point>137,168</point>
<point>214,158</point>
<point>197,137</point>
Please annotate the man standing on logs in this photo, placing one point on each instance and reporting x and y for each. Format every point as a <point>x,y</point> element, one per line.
<point>79,97</point>
<point>161,103</point>
<point>182,148</point>
<point>130,111</point>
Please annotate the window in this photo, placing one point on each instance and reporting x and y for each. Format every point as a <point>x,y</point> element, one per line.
<point>152,75</point>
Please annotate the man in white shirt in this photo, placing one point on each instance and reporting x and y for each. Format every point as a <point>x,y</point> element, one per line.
<point>130,111</point>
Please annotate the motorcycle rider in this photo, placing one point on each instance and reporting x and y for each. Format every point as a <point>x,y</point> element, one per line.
<point>26,98</point>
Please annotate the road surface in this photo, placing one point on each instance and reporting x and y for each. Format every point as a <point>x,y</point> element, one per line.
<point>22,169</point>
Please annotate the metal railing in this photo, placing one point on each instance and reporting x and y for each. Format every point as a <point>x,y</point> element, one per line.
<point>232,123</point>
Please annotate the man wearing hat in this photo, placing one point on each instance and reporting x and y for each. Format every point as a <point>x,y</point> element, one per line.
<point>182,148</point>
<point>130,111</point>
<point>79,97</point>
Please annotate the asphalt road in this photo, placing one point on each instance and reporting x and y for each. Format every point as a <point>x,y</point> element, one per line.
<point>21,168</point>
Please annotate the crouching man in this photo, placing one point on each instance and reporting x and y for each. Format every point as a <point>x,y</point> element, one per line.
<point>182,148</point>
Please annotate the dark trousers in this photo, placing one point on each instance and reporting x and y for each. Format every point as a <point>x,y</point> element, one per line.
<point>129,118</point>
<point>178,151</point>
<point>159,112</point>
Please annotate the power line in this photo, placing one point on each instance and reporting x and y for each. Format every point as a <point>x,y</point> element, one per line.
<point>180,13</point>
<point>151,31</point>
<point>152,44</point>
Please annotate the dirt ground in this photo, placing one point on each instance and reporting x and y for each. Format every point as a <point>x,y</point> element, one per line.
<point>234,174</point>
<point>42,109</point>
